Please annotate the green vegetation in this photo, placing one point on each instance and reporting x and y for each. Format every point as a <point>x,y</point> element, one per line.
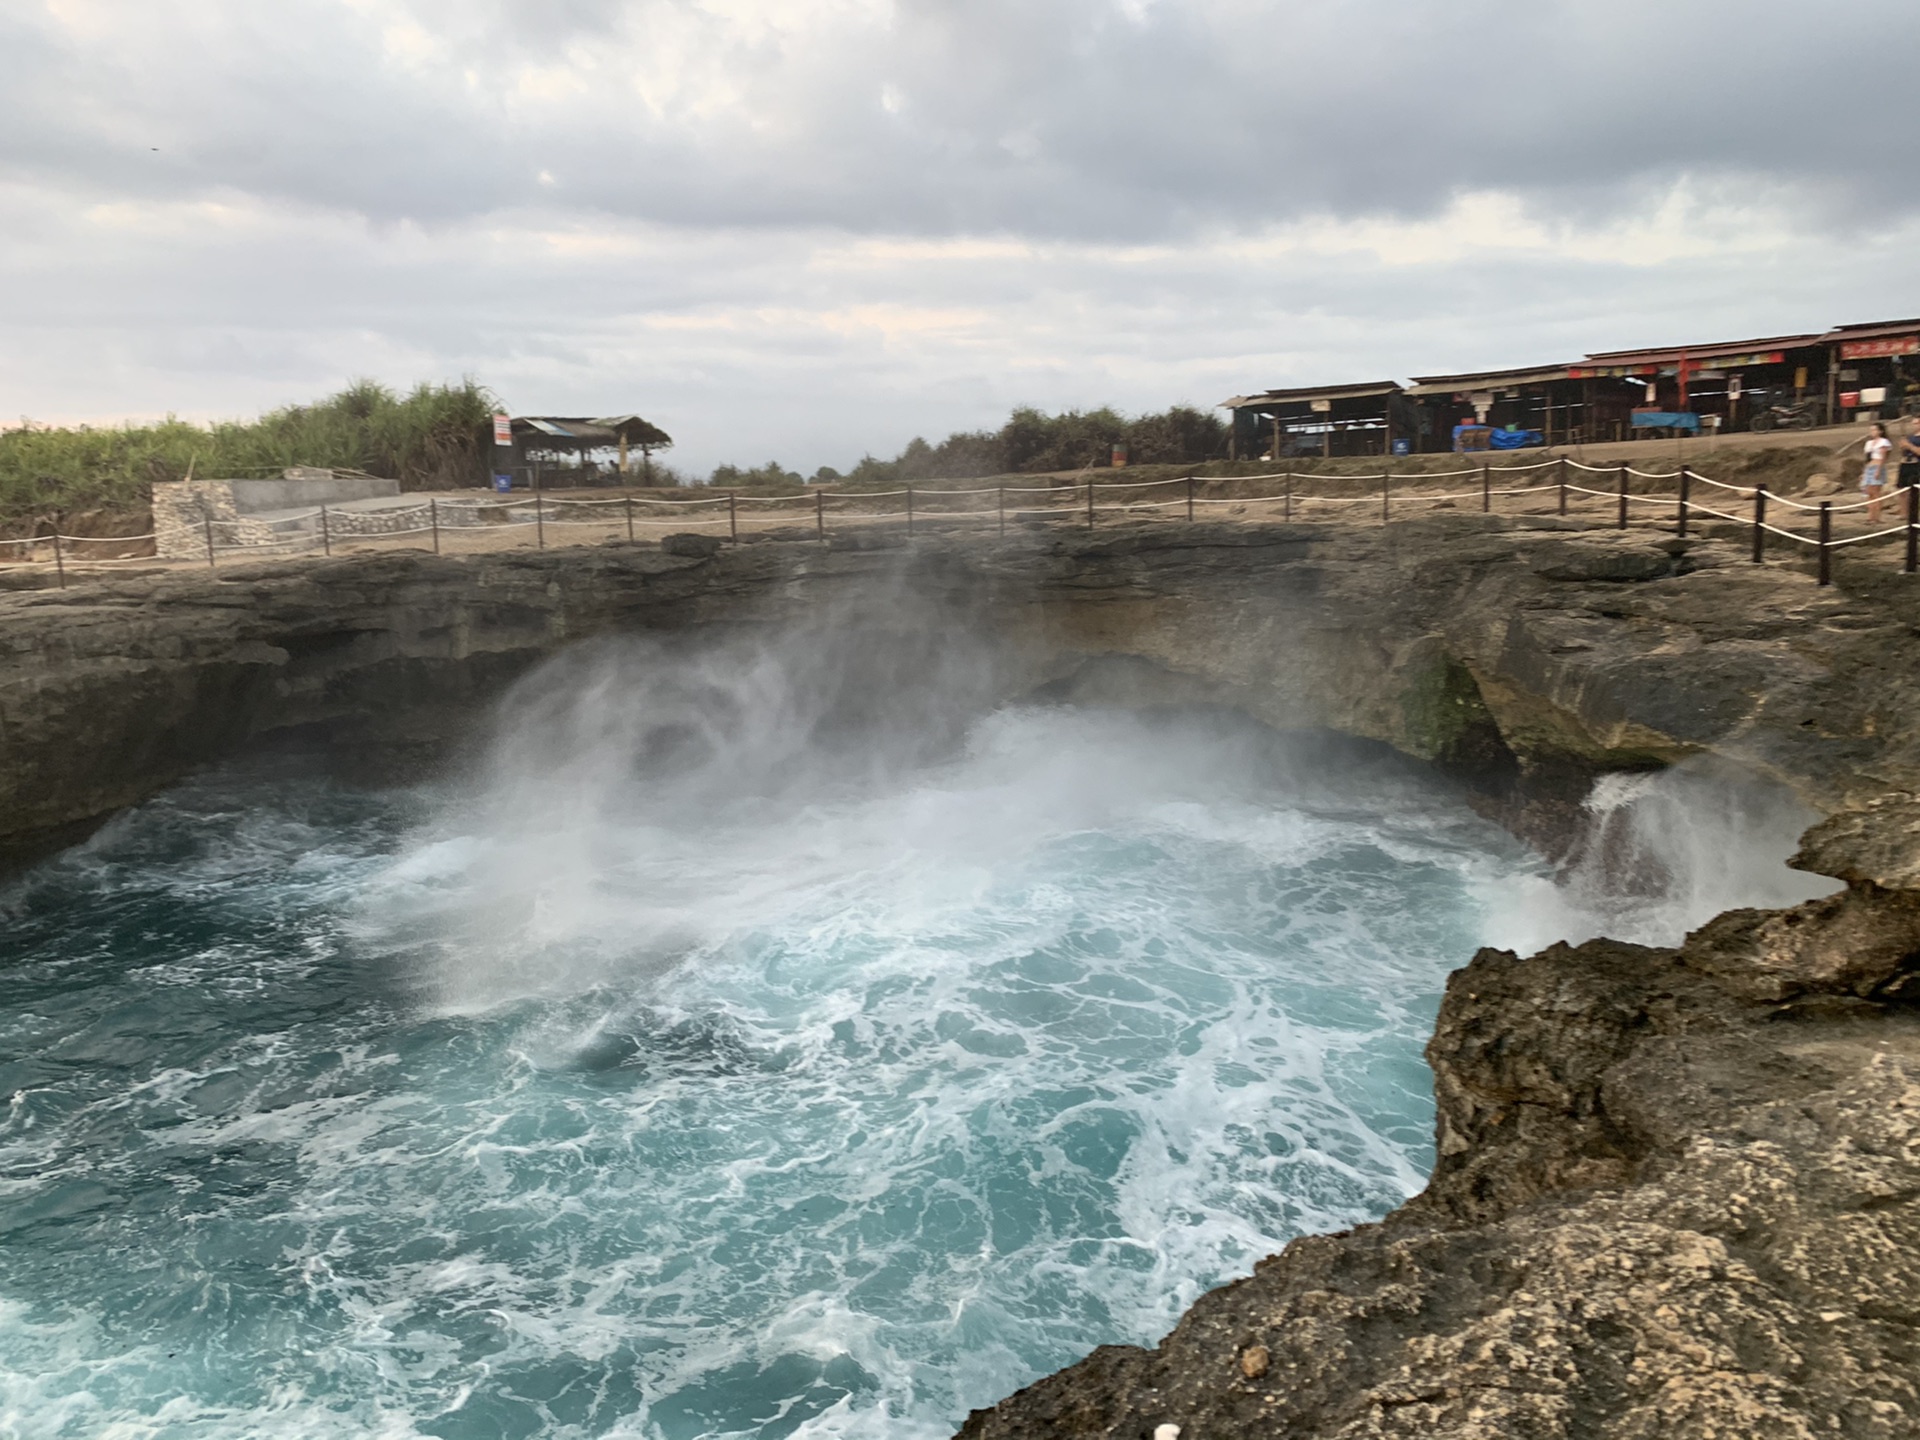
<point>1031,442</point>
<point>437,436</point>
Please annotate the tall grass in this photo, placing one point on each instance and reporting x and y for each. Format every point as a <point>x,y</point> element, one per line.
<point>434,437</point>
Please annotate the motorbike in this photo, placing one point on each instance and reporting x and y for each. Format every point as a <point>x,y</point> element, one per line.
<point>1793,415</point>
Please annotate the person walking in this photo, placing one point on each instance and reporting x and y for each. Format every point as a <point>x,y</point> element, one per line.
<point>1873,478</point>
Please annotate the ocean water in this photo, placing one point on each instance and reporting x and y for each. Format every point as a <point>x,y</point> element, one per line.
<point>707,1063</point>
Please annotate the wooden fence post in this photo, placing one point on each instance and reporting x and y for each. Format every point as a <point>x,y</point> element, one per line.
<point>209,520</point>
<point>909,509</point>
<point>433,519</point>
<point>539,522</point>
<point>733,516</point>
<point>1089,504</point>
<point>1826,539</point>
<point>59,565</point>
<point>1000,504</point>
<point>629,508</point>
<point>1189,499</point>
<point>1486,488</point>
<point>1759,522</point>
<point>1386,492</point>
<point>1622,522</point>
<point>1686,483</point>
<point>1286,498</point>
<point>326,533</point>
<point>1913,528</point>
<point>1563,484</point>
<point>820,514</point>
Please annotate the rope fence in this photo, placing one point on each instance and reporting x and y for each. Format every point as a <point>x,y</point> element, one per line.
<point>324,529</point>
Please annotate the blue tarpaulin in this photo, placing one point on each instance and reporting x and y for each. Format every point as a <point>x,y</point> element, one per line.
<point>1665,420</point>
<point>1512,437</point>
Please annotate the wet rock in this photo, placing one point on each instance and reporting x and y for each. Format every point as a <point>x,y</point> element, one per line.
<point>1622,562</point>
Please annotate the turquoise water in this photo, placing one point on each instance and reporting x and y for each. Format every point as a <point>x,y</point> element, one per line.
<point>708,1096</point>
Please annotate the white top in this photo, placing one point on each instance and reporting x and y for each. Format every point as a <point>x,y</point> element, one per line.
<point>1877,448</point>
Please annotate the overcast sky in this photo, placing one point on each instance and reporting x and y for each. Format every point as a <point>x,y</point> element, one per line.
<point>805,229</point>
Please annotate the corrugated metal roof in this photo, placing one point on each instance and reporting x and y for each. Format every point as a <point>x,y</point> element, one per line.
<point>1485,380</point>
<point>1873,330</point>
<point>1314,392</point>
<point>1671,353</point>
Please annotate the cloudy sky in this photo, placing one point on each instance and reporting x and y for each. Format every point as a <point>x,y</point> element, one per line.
<point>805,229</point>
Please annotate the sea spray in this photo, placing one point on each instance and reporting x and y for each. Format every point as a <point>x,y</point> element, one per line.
<point>751,1047</point>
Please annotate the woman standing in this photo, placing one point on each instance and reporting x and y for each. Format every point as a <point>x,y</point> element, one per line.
<point>1873,479</point>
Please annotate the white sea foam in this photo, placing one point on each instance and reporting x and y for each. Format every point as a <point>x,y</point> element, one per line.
<point>737,1059</point>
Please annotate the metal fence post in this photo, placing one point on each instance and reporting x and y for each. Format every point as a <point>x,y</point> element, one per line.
<point>1826,538</point>
<point>1622,522</point>
<point>1759,523</point>
<point>433,519</point>
<point>326,533</point>
<point>1563,484</point>
<point>59,565</point>
<point>1686,483</point>
<point>1486,488</point>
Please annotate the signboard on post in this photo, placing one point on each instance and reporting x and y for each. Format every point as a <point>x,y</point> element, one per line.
<point>1322,407</point>
<point>503,431</point>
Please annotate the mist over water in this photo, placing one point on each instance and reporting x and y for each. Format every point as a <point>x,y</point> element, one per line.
<point>775,1038</point>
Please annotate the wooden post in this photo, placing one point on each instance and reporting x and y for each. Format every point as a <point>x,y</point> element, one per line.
<point>1622,522</point>
<point>1826,539</point>
<point>820,513</point>
<point>1686,484</point>
<point>733,516</point>
<point>1759,521</point>
<point>1563,484</point>
<point>629,500</point>
<point>433,519</point>
<point>1276,439</point>
<point>1189,499</point>
<point>539,521</point>
<point>326,533</point>
<point>1913,528</point>
<point>1486,487</point>
<point>909,509</point>
<point>1386,491</point>
<point>60,565</point>
<point>209,520</point>
<point>1089,504</point>
<point>1286,497</point>
<point>1000,503</point>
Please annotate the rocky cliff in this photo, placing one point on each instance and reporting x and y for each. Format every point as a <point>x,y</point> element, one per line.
<point>1678,1190</point>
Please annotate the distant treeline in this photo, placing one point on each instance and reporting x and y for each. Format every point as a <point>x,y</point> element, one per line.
<point>436,436</point>
<point>1029,443</point>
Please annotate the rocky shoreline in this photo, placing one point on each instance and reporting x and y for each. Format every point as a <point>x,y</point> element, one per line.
<point>1678,1190</point>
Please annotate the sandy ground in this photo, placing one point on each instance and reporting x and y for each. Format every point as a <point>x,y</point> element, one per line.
<point>593,518</point>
